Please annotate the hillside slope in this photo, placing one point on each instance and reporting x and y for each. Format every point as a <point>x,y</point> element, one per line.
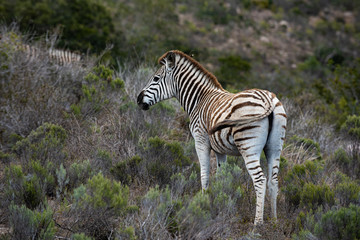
<point>80,160</point>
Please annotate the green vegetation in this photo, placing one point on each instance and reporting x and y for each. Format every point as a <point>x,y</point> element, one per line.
<point>80,160</point>
<point>28,224</point>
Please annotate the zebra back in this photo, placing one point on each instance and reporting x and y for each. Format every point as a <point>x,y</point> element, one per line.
<point>31,52</point>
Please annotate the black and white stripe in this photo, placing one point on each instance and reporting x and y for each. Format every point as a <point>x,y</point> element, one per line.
<point>244,124</point>
<point>31,53</point>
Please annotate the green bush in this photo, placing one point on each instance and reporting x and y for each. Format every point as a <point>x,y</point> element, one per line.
<point>195,216</point>
<point>300,175</point>
<point>346,88</point>
<point>304,235</point>
<point>348,192</point>
<point>28,224</point>
<point>313,196</point>
<point>84,25</point>
<point>225,191</point>
<point>162,159</point>
<point>5,157</point>
<point>41,155</point>
<point>126,233</point>
<point>21,189</point>
<point>215,11</point>
<point>102,199</point>
<point>80,236</point>
<point>348,161</point>
<point>44,144</point>
<point>312,66</point>
<point>352,127</point>
<point>78,173</point>
<point>126,171</point>
<point>96,91</point>
<point>329,55</point>
<point>233,69</point>
<point>104,194</point>
<point>342,223</point>
<point>160,207</point>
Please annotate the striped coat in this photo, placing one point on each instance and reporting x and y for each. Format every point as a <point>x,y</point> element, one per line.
<point>243,124</point>
<point>30,52</point>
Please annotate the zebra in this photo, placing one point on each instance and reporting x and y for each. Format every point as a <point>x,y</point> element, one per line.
<point>245,123</point>
<point>55,56</point>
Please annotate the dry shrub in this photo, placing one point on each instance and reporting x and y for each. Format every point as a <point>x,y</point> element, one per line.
<point>306,124</point>
<point>33,89</point>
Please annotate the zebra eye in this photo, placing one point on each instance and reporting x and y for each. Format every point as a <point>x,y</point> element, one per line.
<point>156,78</point>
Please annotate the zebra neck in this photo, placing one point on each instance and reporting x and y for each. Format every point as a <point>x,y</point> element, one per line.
<point>192,88</point>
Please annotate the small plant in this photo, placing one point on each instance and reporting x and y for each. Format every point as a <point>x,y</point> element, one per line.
<point>167,158</point>
<point>126,171</point>
<point>313,196</point>
<point>96,89</point>
<point>225,190</point>
<point>195,216</point>
<point>348,192</point>
<point>126,233</point>
<point>80,236</point>
<point>339,224</point>
<point>43,144</point>
<point>28,224</point>
<point>348,162</point>
<point>79,173</point>
<point>24,189</point>
<point>157,213</point>
<point>352,127</point>
<point>103,200</point>
<point>62,180</point>
<point>309,145</point>
<point>298,177</point>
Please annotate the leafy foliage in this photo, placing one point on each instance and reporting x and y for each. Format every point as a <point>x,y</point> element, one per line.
<point>96,89</point>
<point>28,224</point>
<point>84,25</point>
<point>68,134</point>
<point>233,69</point>
<point>339,224</point>
<point>102,199</point>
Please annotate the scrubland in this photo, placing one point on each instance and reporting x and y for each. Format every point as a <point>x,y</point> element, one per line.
<point>80,160</point>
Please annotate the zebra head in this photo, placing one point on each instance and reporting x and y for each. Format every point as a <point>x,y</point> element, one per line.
<point>161,85</point>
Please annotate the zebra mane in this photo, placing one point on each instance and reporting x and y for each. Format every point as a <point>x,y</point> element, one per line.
<point>196,64</point>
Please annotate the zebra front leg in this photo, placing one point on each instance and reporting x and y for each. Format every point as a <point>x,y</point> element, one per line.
<point>203,153</point>
<point>220,160</point>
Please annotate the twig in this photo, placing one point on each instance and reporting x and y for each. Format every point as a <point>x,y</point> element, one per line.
<point>64,228</point>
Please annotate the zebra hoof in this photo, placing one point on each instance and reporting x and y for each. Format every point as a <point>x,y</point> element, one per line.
<point>254,234</point>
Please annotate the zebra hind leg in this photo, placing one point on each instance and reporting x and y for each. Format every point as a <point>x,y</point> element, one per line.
<point>273,159</point>
<point>272,151</point>
<point>250,144</point>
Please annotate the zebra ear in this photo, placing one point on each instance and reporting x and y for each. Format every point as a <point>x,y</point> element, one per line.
<point>170,60</point>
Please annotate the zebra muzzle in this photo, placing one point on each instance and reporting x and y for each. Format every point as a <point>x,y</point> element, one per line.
<point>141,103</point>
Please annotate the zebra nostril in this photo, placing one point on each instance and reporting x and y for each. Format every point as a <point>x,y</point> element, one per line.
<point>141,103</point>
